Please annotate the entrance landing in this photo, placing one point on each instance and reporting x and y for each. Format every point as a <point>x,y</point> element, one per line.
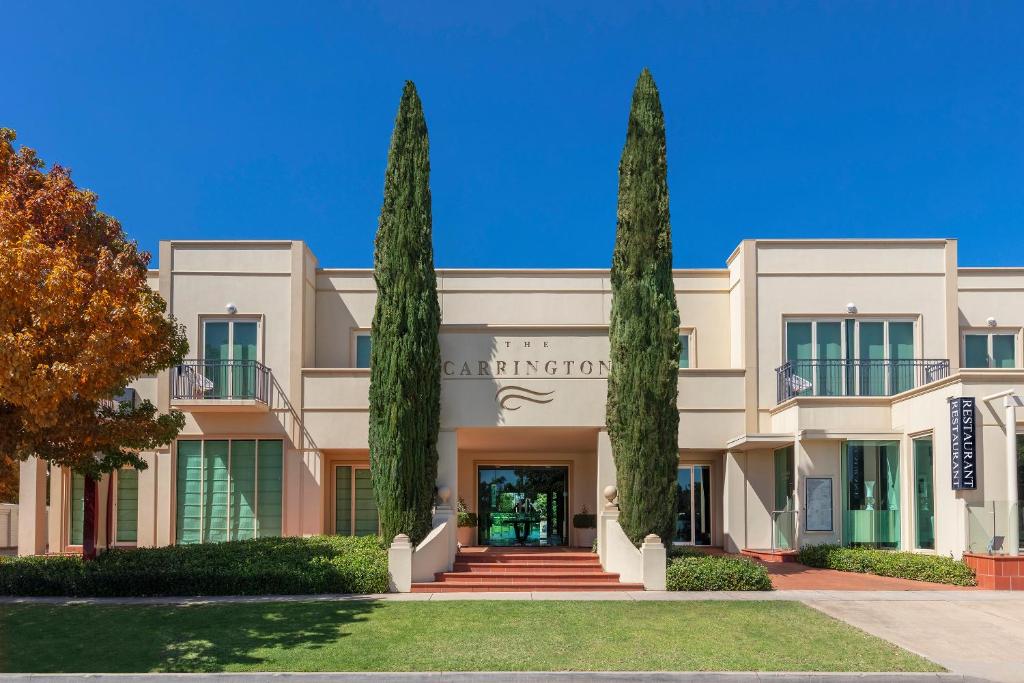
<point>492,569</point>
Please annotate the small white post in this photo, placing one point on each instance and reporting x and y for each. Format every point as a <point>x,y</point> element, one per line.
<point>653,558</point>
<point>1012,494</point>
<point>400,565</point>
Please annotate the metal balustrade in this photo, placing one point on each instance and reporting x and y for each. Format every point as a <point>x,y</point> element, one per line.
<point>856,377</point>
<point>221,380</point>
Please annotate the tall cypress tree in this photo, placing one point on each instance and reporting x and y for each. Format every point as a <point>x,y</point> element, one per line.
<point>643,421</point>
<point>405,358</point>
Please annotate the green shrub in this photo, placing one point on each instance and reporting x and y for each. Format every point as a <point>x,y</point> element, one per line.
<point>320,564</point>
<point>900,565</point>
<point>692,570</point>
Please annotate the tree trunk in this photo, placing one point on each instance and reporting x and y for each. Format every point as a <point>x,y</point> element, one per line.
<point>89,519</point>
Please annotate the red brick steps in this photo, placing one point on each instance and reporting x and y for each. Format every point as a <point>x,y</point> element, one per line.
<point>497,569</point>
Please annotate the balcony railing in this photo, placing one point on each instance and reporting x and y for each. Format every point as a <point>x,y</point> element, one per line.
<point>221,380</point>
<point>856,377</point>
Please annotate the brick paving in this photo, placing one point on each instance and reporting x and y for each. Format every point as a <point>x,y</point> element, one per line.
<point>793,576</point>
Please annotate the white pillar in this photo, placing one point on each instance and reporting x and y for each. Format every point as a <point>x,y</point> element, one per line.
<point>655,563</point>
<point>1012,494</point>
<point>400,565</point>
<point>32,507</point>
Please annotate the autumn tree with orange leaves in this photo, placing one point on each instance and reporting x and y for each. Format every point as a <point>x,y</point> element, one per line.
<point>78,323</point>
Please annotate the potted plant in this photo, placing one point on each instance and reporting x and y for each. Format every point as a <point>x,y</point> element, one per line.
<point>585,523</point>
<point>467,524</point>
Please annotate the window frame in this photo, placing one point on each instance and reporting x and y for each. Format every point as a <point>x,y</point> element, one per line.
<point>230,320</point>
<point>115,505</point>
<point>691,347</point>
<point>352,497</point>
<point>990,333</point>
<point>711,512</point>
<point>202,483</point>
<point>914,438</point>
<point>354,345</point>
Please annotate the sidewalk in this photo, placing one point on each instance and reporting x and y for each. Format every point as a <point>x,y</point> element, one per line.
<point>504,677</point>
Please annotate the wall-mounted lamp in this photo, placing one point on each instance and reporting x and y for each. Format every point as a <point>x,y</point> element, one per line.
<point>991,322</point>
<point>231,308</point>
<point>851,308</point>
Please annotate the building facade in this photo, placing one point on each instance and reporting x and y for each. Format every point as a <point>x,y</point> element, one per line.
<point>815,387</point>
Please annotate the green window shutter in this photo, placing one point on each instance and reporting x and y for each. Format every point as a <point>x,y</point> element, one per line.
<point>1002,351</point>
<point>798,349</point>
<point>189,504</point>
<point>363,351</point>
<point>127,505</point>
<point>684,350</point>
<point>215,491</point>
<point>872,356</point>
<point>976,350</point>
<point>77,511</point>
<point>215,348</point>
<point>243,490</point>
<point>343,500</point>
<point>901,353</point>
<point>269,463</point>
<point>243,348</point>
<point>830,350</point>
<point>366,507</point>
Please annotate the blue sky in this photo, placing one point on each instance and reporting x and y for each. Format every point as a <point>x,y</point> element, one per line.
<point>253,120</point>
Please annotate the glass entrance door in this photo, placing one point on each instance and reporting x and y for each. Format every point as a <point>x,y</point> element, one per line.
<point>693,505</point>
<point>523,506</point>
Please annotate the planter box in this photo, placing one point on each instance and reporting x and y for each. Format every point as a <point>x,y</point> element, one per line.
<point>466,535</point>
<point>997,572</point>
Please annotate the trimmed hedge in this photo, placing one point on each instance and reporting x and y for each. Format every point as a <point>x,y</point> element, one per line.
<point>320,564</point>
<point>900,565</point>
<point>692,570</point>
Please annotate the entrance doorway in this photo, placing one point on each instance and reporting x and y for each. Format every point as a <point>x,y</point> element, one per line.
<point>523,505</point>
<point>693,500</point>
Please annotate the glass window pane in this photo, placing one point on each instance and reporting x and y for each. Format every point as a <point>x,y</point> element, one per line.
<point>270,487</point>
<point>362,351</point>
<point>829,356</point>
<point>127,505</point>
<point>243,352</point>
<point>872,359</point>
<point>189,503</point>
<point>785,481</point>
<point>871,514</point>
<point>924,493</point>
<point>243,490</point>
<point>215,491</point>
<point>799,353</point>
<point>77,509</point>
<point>215,351</point>
<point>976,350</point>
<point>684,350</point>
<point>684,501</point>
<point>343,500</point>
<point>366,507</point>
<point>702,504</point>
<point>901,356</point>
<point>1003,351</point>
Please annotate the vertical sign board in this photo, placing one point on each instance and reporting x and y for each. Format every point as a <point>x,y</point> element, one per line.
<point>963,447</point>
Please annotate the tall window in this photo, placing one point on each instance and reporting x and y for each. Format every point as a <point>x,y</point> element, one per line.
<point>693,512</point>
<point>363,350</point>
<point>230,352</point>
<point>76,510</point>
<point>990,350</point>
<point>228,490</point>
<point>851,357</point>
<point>785,496</point>
<point>871,495</point>
<point>355,512</point>
<point>127,504</point>
<point>924,493</point>
<point>685,345</point>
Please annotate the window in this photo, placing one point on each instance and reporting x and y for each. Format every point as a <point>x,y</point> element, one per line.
<point>924,494</point>
<point>127,505</point>
<point>230,353</point>
<point>363,347</point>
<point>684,350</point>
<point>990,350</point>
<point>850,357</point>
<point>693,501</point>
<point>76,510</point>
<point>228,490</point>
<point>354,502</point>
<point>785,496</point>
<point>871,494</point>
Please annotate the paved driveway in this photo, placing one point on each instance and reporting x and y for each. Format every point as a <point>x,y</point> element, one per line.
<point>981,636</point>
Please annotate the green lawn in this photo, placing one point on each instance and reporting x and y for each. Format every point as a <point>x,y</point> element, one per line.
<point>450,636</point>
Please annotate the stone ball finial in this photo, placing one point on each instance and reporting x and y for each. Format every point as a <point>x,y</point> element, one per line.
<point>611,493</point>
<point>444,493</point>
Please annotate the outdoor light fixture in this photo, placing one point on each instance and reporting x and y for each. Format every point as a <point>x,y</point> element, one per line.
<point>231,308</point>
<point>991,322</point>
<point>851,308</point>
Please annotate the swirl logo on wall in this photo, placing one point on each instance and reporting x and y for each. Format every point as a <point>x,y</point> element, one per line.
<point>508,396</point>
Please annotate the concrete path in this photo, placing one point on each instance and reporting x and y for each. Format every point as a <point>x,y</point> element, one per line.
<point>980,637</point>
<point>808,596</point>
<point>501,677</point>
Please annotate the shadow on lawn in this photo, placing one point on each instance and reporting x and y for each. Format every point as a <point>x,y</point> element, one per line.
<point>245,637</point>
